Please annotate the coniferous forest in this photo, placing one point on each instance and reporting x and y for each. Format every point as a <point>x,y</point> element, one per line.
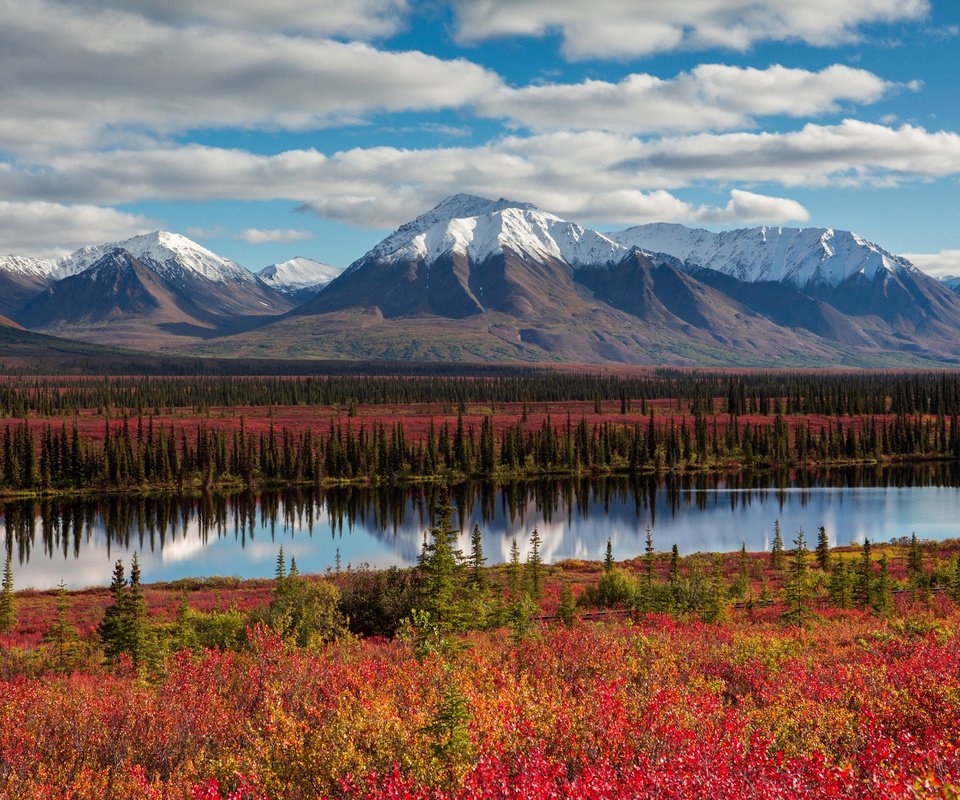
<point>806,670</point>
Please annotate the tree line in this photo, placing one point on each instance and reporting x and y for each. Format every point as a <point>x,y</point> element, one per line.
<point>138,453</point>
<point>749,393</point>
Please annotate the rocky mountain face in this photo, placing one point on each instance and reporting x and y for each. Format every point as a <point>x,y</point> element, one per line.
<point>479,279</point>
<point>149,291</point>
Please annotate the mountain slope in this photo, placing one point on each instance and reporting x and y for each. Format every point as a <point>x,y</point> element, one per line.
<point>21,279</point>
<point>797,257</point>
<point>169,292</point>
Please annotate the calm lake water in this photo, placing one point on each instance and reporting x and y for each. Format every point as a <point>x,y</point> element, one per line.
<point>240,534</point>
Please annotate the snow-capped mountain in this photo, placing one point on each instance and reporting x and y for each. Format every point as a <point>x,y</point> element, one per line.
<point>798,257</point>
<point>23,265</point>
<point>169,254</point>
<point>479,228</point>
<point>298,276</point>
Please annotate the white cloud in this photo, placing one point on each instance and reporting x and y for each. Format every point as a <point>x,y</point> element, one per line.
<point>850,153</point>
<point>750,207</point>
<point>264,236</point>
<point>601,175</point>
<point>361,19</point>
<point>944,264</point>
<point>75,77</point>
<point>618,29</point>
<point>710,97</point>
<point>46,230</point>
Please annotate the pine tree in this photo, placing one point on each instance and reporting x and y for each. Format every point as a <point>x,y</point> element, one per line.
<point>514,572</point>
<point>294,570</point>
<point>823,549</point>
<point>476,560</point>
<point>883,593</point>
<point>62,636</point>
<point>863,586</point>
<point>776,552</point>
<point>442,569</point>
<point>113,627</point>
<point>280,573</point>
<point>608,562</point>
<point>534,570</point>
<point>8,601</point>
<point>714,607</point>
<point>840,588</point>
<point>798,585</point>
<point>645,597</point>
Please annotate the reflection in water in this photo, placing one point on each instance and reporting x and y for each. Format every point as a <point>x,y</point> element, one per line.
<point>239,534</point>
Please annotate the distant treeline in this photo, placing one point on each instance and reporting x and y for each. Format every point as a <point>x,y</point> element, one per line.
<point>140,453</point>
<point>741,394</point>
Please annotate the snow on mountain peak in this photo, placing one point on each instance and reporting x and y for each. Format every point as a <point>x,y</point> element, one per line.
<point>298,273</point>
<point>480,228</point>
<point>797,256</point>
<point>168,253</point>
<point>31,267</point>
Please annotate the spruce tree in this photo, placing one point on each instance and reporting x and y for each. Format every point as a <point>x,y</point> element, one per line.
<point>8,601</point>
<point>113,627</point>
<point>776,551</point>
<point>62,636</point>
<point>840,587</point>
<point>883,592</point>
<point>534,570</point>
<point>863,586</point>
<point>476,560</point>
<point>955,581</point>
<point>608,562</point>
<point>797,589</point>
<point>823,549</point>
<point>442,569</point>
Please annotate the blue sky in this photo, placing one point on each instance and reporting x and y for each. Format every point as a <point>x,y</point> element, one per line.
<point>313,127</point>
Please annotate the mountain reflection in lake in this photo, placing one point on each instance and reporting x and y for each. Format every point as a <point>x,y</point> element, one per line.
<point>240,534</point>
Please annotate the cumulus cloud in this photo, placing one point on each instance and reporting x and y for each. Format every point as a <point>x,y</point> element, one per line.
<point>47,230</point>
<point>710,97</point>
<point>617,29</point>
<point>944,264</point>
<point>73,77</point>
<point>362,19</point>
<point>264,236</point>
<point>605,176</point>
<point>750,207</point>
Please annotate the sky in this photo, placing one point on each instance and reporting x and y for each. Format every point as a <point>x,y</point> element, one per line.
<point>267,130</point>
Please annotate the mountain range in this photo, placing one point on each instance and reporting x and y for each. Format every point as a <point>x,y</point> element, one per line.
<point>496,280</point>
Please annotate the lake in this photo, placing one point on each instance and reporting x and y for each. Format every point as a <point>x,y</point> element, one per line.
<point>240,534</point>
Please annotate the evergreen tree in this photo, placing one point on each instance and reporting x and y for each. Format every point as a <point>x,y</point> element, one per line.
<point>776,551</point>
<point>442,569</point>
<point>62,636</point>
<point>608,562</point>
<point>863,586</point>
<point>136,622</point>
<point>113,628</point>
<point>823,549</point>
<point>955,581</point>
<point>714,606</point>
<point>841,586</point>
<point>645,599</point>
<point>8,601</point>
<point>280,573</point>
<point>476,560</point>
<point>534,570</point>
<point>294,570</point>
<point>797,589</point>
<point>883,593</point>
<point>513,570</point>
<point>673,579</point>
